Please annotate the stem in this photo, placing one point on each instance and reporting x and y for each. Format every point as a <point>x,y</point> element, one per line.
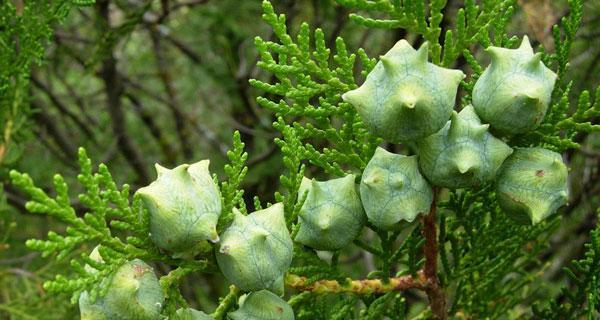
<point>354,286</point>
<point>226,303</point>
<point>437,299</point>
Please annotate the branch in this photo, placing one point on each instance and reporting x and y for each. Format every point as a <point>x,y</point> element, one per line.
<point>201,130</point>
<point>43,117</point>
<point>226,303</point>
<point>180,118</point>
<point>366,286</point>
<point>63,108</point>
<point>78,102</point>
<point>182,47</point>
<point>114,89</point>
<point>437,299</point>
<point>169,153</point>
<point>44,137</point>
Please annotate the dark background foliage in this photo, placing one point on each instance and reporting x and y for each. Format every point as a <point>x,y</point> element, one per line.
<point>138,82</point>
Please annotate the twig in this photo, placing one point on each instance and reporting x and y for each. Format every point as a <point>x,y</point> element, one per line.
<point>183,47</point>
<point>367,286</point>
<point>63,108</point>
<point>78,101</point>
<point>147,118</point>
<point>43,117</point>
<point>179,117</point>
<point>437,299</point>
<point>23,259</point>
<point>226,303</point>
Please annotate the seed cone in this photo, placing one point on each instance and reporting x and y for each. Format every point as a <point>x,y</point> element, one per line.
<point>462,154</point>
<point>532,184</point>
<point>392,189</point>
<point>184,206</point>
<point>134,293</point>
<point>514,91</point>
<point>405,97</point>
<point>332,214</point>
<point>256,250</point>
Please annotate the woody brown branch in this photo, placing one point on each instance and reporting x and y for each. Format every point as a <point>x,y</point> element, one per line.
<point>435,294</point>
<point>114,89</point>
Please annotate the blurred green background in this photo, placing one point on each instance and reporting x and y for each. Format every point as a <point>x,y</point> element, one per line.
<point>172,88</point>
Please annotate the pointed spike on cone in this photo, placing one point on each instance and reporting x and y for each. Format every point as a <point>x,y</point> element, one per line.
<point>373,178</point>
<point>181,169</point>
<point>225,249</point>
<point>314,184</point>
<point>409,104</point>
<point>401,46</point>
<point>396,181</point>
<point>406,99</point>
<point>261,234</point>
<point>495,53</point>
<point>564,195</point>
<point>350,96</point>
<point>370,181</point>
<point>538,212</point>
<point>466,162</point>
<point>160,170</point>
<point>533,102</point>
<point>237,215</point>
<point>324,222</point>
<point>532,94</point>
<point>355,98</point>
<point>387,62</point>
<point>479,131</point>
<point>423,52</point>
<point>454,116</point>
<point>526,45</point>
<point>455,126</point>
<point>464,167</point>
<point>535,61</point>
<point>214,236</point>
<point>557,163</point>
<point>456,75</point>
<point>199,166</point>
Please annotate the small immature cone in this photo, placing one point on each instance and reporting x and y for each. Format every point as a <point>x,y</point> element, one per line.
<point>256,250</point>
<point>532,184</point>
<point>514,91</point>
<point>405,97</point>
<point>262,305</point>
<point>134,293</point>
<point>332,214</point>
<point>392,189</point>
<point>184,206</point>
<point>462,154</point>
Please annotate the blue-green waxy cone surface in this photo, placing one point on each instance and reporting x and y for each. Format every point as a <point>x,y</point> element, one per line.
<point>332,214</point>
<point>463,153</point>
<point>392,189</point>
<point>184,206</point>
<point>405,97</point>
<point>532,184</point>
<point>262,305</point>
<point>514,91</point>
<point>91,310</point>
<point>190,314</point>
<point>256,250</point>
<point>134,293</point>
